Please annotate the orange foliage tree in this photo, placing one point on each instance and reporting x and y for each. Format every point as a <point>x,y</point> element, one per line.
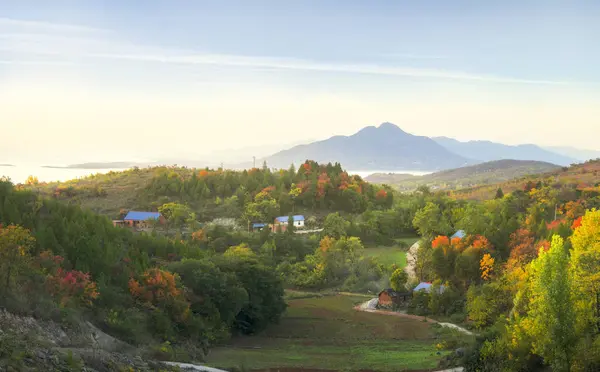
<point>441,241</point>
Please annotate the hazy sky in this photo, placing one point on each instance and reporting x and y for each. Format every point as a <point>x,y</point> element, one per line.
<point>118,80</point>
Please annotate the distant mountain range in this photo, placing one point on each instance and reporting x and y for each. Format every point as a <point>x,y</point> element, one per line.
<point>389,148</point>
<point>382,148</point>
<point>479,174</point>
<point>386,147</point>
<point>482,151</point>
<point>572,152</point>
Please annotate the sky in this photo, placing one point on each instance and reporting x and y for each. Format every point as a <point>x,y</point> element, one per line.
<point>146,79</point>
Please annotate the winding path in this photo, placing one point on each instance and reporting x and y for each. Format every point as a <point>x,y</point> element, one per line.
<point>371,307</point>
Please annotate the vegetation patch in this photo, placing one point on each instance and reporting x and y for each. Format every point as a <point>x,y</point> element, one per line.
<point>327,333</point>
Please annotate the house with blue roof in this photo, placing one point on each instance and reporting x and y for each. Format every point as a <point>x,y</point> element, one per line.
<point>459,234</point>
<point>142,219</point>
<point>426,287</point>
<point>282,222</point>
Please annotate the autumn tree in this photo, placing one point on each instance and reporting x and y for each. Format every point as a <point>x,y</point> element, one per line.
<point>15,245</point>
<point>585,269</point>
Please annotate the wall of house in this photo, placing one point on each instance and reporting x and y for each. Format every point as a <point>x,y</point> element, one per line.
<point>385,299</point>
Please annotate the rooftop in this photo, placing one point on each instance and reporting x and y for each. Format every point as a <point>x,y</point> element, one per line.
<point>298,217</point>
<point>141,216</point>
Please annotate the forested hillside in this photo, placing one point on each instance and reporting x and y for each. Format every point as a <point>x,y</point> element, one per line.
<point>524,253</point>
<point>583,177</point>
<point>258,194</point>
<point>474,175</point>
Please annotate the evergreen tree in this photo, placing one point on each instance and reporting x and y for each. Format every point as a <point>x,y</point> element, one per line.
<point>499,193</point>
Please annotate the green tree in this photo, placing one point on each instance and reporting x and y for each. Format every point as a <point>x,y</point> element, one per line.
<point>398,280</point>
<point>176,214</point>
<point>430,221</point>
<point>335,226</point>
<point>551,311</point>
<point>499,193</point>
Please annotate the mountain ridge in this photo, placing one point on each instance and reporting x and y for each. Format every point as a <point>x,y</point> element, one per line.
<point>384,147</point>
<point>484,151</point>
<point>478,174</point>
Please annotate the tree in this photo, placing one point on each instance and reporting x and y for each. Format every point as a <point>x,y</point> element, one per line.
<point>499,193</point>
<point>551,312</point>
<point>335,226</point>
<point>290,228</point>
<point>585,268</point>
<point>430,221</point>
<point>15,246</point>
<point>398,280</point>
<point>176,214</point>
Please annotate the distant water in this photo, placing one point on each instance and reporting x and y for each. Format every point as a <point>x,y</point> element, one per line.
<point>19,173</point>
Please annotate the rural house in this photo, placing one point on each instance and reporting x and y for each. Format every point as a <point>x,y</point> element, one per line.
<point>281,222</point>
<point>459,234</point>
<point>426,287</point>
<point>142,219</point>
<point>389,297</point>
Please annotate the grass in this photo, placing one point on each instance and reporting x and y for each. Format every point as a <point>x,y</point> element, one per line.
<point>327,333</point>
<point>390,255</point>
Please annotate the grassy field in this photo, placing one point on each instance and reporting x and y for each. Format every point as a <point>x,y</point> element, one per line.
<point>327,333</point>
<point>389,255</point>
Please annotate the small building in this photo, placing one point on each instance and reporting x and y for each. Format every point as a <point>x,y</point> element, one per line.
<point>143,219</point>
<point>258,226</point>
<point>426,287</point>
<point>389,297</point>
<point>118,223</point>
<point>459,234</point>
<point>283,220</point>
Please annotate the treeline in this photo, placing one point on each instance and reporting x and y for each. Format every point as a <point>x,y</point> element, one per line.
<point>256,195</point>
<point>59,260</point>
<point>523,275</point>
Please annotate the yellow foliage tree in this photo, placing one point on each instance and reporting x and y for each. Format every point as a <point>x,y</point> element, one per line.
<point>585,269</point>
<point>486,265</point>
<point>15,245</point>
<point>241,250</point>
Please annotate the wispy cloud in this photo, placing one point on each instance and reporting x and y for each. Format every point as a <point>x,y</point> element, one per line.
<point>414,56</point>
<point>28,39</point>
<point>47,26</point>
<point>307,65</point>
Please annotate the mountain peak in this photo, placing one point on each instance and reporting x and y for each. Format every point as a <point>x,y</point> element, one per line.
<point>390,126</point>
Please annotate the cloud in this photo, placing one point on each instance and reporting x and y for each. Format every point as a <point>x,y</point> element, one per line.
<point>47,26</point>
<point>307,65</point>
<point>71,45</point>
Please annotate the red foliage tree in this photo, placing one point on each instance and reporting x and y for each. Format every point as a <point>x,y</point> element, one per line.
<point>72,287</point>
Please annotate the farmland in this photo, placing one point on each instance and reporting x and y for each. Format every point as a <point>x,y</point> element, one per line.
<point>327,333</point>
<point>391,255</point>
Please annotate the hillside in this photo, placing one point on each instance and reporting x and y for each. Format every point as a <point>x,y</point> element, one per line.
<point>488,151</point>
<point>480,174</point>
<point>386,147</point>
<point>583,177</point>
<point>217,193</point>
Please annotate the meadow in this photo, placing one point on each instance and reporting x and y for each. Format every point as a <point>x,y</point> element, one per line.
<point>325,332</point>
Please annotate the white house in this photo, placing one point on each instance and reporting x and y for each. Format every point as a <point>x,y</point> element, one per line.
<point>283,220</point>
